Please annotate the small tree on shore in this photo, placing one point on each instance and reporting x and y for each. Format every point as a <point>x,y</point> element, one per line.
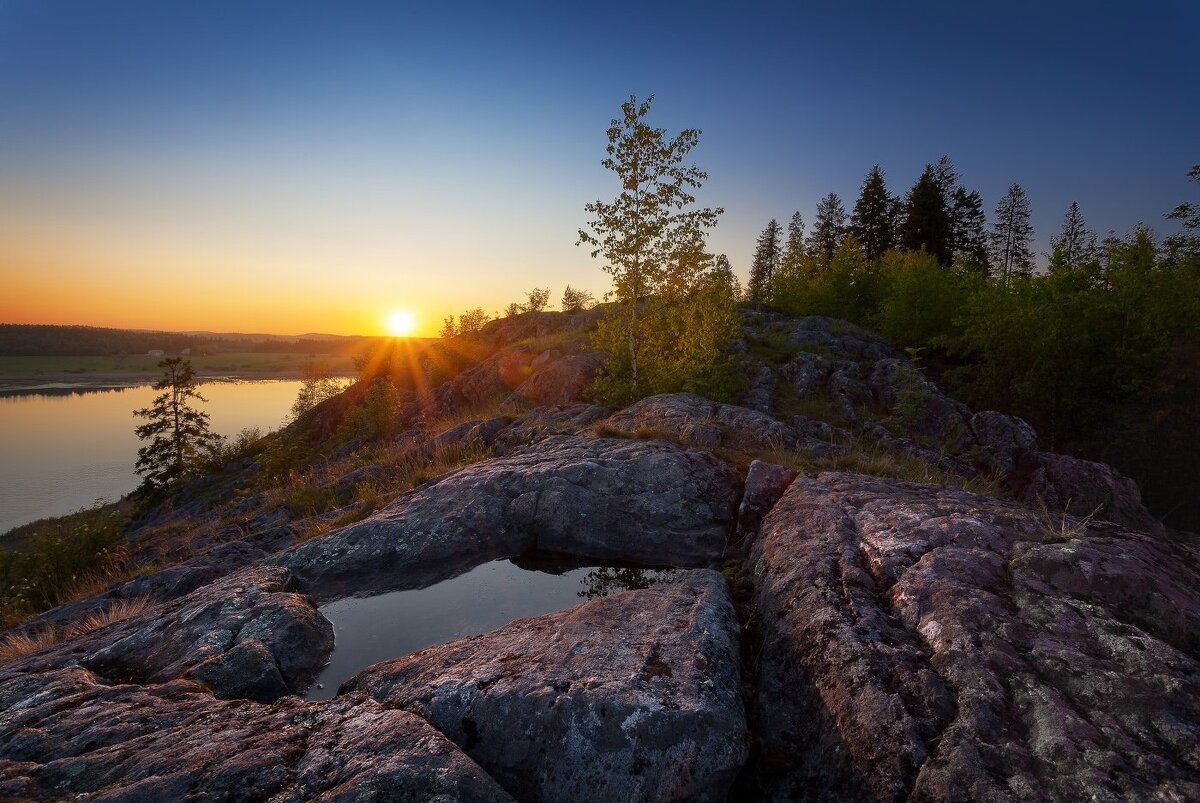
<point>177,432</point>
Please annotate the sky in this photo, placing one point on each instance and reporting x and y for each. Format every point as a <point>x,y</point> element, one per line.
<point>293,166</point>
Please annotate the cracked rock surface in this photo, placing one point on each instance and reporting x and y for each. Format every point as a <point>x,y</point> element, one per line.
<point>924,643</point>
<point>629,697</point>
<point>66,734</point>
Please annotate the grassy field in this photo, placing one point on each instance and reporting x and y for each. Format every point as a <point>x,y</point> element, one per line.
<point>231,363</point>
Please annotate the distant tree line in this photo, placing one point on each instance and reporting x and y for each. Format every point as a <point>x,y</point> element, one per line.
<point>1100,350</point>
<point>45,340</point>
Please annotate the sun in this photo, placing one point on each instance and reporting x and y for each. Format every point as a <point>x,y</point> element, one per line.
<point>401,323</point>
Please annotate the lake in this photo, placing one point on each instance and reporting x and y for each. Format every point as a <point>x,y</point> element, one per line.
<point>61,449</point>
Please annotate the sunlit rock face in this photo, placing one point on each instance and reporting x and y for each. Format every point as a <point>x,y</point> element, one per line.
<point>615,499</point>
<point>634,696</point>
<point>924,643</point>
<point>67,733</point>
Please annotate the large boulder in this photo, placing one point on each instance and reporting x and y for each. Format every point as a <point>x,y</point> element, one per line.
<point>68,735</point>
<point>1008,440</point>
<point>631,697</point>
<point>1086,488</point>
<point>246,635</point>
<point>924,643</point>
<point>921,406</point>
<point>491,380</point>
<point>641,501</point>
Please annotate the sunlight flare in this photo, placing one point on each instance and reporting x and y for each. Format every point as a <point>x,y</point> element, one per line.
<point>401,323</point>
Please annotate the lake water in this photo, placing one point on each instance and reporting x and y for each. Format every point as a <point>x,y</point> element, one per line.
<point>368,630</point>
<point>62,449</point>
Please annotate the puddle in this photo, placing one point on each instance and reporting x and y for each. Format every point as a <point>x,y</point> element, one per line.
<point>373,629</point>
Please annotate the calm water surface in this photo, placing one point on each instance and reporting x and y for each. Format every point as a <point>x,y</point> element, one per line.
<point>59,453</point>
<point>373,629</point>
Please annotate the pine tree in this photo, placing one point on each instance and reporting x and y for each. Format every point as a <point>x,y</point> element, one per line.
<point>927,221</point>
<point>764,268</point>
<point>647,237</point>
<point>792,262</point>
<point>1011,235</point>
<point>946,175</point>
<point>829,228</point>
<point>177,431</point>
<point>873,222</point>
<point>969,231</point>
<point>1075,244</point>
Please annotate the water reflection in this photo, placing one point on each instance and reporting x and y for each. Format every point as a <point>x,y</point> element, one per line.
<point>373,629</point>
<point>61,448</point>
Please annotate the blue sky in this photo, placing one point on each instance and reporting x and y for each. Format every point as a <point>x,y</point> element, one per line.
<point>336,160</point>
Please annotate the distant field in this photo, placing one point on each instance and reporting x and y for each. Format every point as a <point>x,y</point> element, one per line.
<point>232,363</point>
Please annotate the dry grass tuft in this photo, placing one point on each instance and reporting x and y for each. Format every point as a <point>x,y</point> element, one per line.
<point>18,645</point>
<point>116,612</point>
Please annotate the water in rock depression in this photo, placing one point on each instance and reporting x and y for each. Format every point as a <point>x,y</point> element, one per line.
<point>373,629</point>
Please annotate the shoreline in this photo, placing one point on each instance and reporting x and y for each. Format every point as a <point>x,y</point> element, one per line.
<point>17,383</point>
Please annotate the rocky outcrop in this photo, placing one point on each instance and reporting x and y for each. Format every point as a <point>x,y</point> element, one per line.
<point>542,421</point>
<point>630,697</point>
<point>561,380</point>
<point>696,420</point>
<point>640,501</point>
<point>924,643</point>
<point>819,334</point>
<point>527,325</point>
<point>490,380</point>
<point>245,636</point>
<point>67,734</point>
<point>1085,488</point>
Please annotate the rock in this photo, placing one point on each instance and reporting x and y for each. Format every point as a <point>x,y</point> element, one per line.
<point>1008,440</point>
<point>173,638</point>
<point>1084,488</point>
<point>697,420</point>
<point>926,412</point>
<point>542,421</point>
<point>840,338</point>
<point>165,584</point>
<point>645,502</point>
<point>545,357</point>
<point>924,643</point>
<point>456,435</point>
<point>565,380</point>
<point>66,734</point>
<point>526,325</point>
<point>491,380</point>
<point>348,482</point>
<point>765,483</point>
<point>487,431</point>
<point>807,373</point>
<point>761,394</point>
<point>633,696</point>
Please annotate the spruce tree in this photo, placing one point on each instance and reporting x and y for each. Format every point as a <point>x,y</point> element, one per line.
<point>873,223</point>
<point>829,229</point>
<point>792,262</point>
<point>177,431</point>
<point>969,231</point>
<point>927,221</point>
<point>1075,244</point>
<point>765,266</point>
<point>1011,235</point>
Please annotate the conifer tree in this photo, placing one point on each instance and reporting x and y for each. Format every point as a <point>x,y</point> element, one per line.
<point>969,231</point>
<point>792,261</point>
<point>178,433</point>
<point>1075,244</point>
<point>829,228</point>
<point>873,222</point>
<point>927,221</point>
<point>1011,235</point>
<point>765,266</point>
